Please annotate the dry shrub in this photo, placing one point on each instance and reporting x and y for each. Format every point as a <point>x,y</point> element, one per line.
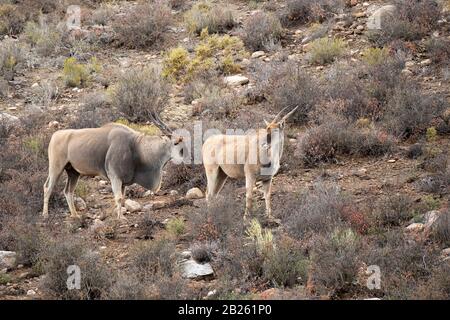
<point>441,228</point>
<point>96,279</point>
<point>155,258</point>
<point>12,19</point>
<point>145,26</point>
<point>404,263</point>
<point>317,211</point>
<point>337,138</point>
<point>409,110</point>
<point>439,50</point>
<point>11,55</point>
<point>184,177</point>
<point>437,287</point>
<point>303,11</point>
<point>392,210</point>
<point>95,111</point>
<point>286,265</point>
<point>288,86</point>
<point>413,19</point>
<point>261,31</point>
<point>140,93</point>
<point>214,18</point>
<point>45,37</point>
<point>335,260</point>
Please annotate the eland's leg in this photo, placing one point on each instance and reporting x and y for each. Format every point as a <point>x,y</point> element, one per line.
<point>69,190</point>
<point>54,173</point>
<point>250,181</point>
<point>267,189</point>
<point>116,185</point>
<point>211,178</point>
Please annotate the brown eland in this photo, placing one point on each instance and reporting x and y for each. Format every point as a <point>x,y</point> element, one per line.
<point>254,156</point>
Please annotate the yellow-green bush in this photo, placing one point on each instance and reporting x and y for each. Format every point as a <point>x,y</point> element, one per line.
<point>214,52</point>
<point>176,226</point>
<point>431,134</point>
<point>326,50</point>
<point>206,15</point>
<point>44,37</point>
<point>148,129</point>
<point>75,74</point>
<point>375,56</point>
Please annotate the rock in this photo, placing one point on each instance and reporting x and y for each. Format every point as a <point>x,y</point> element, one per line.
<point>269,294</point>
<point>391,161</point>
<point>377,18</point>
<point>186,254</point>
<point>430,218</point>
<point>193,270</point>
<point>353,2</point>
<point>31,292</point>
<point>194,193</point>
<point>407,72</point>
<point>98,226</point>
<point>173,192</point>
<point>445,252</point>
<point>80,204</point>
<point>359,14</point>
<point>236,80</point>
<point>8,259</point>
<point>409,64</point>
<point>415,227</point>
<point>103,183</point>
<point>258,54</point>
<point>425,62</point>
<point>132,206</point>
<point>8,120</point>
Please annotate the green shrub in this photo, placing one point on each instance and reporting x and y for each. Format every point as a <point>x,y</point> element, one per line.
<point>74,73</point>
<point>375,56</point>
<point>213,53</point>
<point>11,55</point>
<point>326,50</point>
<point>176,226</point>
<point>206,15</point>
<point>46,38</point>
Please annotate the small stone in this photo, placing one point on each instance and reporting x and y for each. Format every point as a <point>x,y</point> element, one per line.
<point>445,252</point>
<point>31,292</point>
<point>407,72</point>
<point>103,183</point>
<point>186,254</point>
<point>148,193</point>
<point>415,227</point>
<point>409,64</point>
<point>53,124</point>
<point>391,161</point>
<point>194,193</point>
<point>132,206</point>
<point>236,80</point>
<point>425,62</point>
<point>80,204</point>
<point>258,54</point>
<point>34,85</point>
<point>360,14</point>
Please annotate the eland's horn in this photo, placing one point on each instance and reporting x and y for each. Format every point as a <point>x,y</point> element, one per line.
<point>278,115</point>
<point>289,114</point>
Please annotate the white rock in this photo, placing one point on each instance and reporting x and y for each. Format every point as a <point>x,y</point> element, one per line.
<point>425,62</point>
<point>409,64</point>
<point>102,183</point>
<point>186,254</point>
<point>236,80</point>
<point>415,227</point>
<point>194,270</point>
<point>31,292</point>
<point>430,218</point>
<point>132,205</point>
<point>194,193</point>
<point>8,259</point>
<point>258,54</point>
<point>446,252</point>
<point>173,192</point>
<point>377,18</point>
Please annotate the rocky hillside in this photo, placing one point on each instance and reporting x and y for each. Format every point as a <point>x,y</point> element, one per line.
<point>363,188</point>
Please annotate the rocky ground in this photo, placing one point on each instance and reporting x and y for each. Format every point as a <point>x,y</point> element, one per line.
<point>364,179</point>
